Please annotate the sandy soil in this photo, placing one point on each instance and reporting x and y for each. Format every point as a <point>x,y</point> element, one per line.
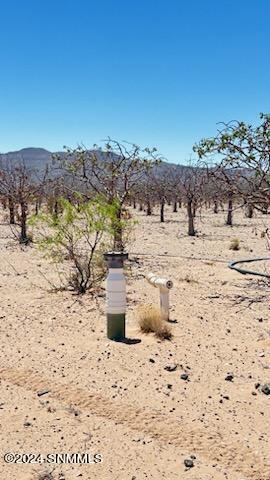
<point>118,399</point>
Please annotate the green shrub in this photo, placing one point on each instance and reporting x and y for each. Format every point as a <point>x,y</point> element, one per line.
<point>79,236</point>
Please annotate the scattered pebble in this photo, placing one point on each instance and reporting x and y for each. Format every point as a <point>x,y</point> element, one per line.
<point>42,392</point>
<point>188,462</point>
<point>27,424</point>
<point>171,367</point>
<point>266,389</point>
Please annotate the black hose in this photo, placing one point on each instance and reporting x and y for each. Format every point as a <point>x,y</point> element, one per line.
<point>248,272</point>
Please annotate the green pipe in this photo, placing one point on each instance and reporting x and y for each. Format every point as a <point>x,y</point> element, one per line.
<point>233,264</point>
<point>116,328</point>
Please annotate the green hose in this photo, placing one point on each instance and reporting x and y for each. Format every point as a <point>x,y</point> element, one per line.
<point>248,272</point>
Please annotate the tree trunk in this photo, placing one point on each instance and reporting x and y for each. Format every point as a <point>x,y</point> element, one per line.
<point>11,211</point>
<point>148,208</point>
<point>118,233</point>
<point>215,206</point>
<point>249,211</point>
<point>230,210</point>
<point>175,206</point>
<point>162,204</point>
<point>140,207</point>
<point>134,203</point>
<point>23,236</point>
<point>191,229</point>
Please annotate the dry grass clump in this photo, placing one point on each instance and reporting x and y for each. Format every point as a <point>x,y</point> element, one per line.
<point>151,320</point>
<point>235,244</point>
<point>45,475</point>
<point>48,475</point>
<point>164,332</point>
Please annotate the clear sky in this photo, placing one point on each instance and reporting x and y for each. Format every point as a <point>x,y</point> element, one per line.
<point>154,72</point>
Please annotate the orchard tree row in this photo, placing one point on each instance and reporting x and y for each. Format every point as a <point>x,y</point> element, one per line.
<point>83,195</point>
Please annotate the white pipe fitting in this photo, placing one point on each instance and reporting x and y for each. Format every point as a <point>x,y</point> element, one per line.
<point>164,286</point>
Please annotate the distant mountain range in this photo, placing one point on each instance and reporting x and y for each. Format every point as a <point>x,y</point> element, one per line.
<point>33,158</point>
<point>38,158</point>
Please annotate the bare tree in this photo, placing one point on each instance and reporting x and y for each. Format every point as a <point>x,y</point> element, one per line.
<point>191,180</point>
<point>145,194</point>
<point>243,150</point>
<point>20,185</point>
<point>158,189</point>
<point>113,170</point>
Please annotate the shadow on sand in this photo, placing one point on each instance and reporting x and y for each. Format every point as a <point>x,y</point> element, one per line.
<point>129,341</point>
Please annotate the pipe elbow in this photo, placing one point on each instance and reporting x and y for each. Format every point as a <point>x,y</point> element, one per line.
<point>162,283</point>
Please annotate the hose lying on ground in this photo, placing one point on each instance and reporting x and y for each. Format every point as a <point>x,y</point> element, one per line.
<point>233,264</point>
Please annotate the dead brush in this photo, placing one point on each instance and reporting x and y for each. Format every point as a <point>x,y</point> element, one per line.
<point>235,244</point>
<point>151,320</point>
<point>48,475</point>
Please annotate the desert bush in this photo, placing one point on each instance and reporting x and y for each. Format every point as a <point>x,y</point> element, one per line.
<point>151,320</point>
<point>79,236</point>
<point>235,244</point>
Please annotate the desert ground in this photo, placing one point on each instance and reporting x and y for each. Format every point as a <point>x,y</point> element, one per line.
<point>118,398</point>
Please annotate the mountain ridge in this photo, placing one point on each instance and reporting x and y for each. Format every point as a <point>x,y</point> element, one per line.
<point>39,157</point>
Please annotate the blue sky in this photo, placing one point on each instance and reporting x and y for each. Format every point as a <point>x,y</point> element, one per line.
<point>155,72</point>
